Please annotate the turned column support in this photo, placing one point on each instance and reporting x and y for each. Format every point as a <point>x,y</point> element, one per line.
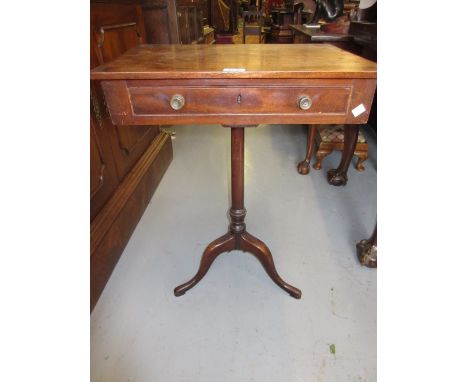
<point>237,237</point>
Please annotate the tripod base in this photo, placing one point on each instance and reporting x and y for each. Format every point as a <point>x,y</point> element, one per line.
<point>237,237</point>
<point>242,241</point>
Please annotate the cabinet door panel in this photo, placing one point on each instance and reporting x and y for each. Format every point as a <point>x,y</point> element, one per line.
<point>104,178</point>
<point>97,164</point>
<point>160,21</point>
<point>182,20</point>
<point>190,24</point>
<point>117,28</point>
<point>113,40</point>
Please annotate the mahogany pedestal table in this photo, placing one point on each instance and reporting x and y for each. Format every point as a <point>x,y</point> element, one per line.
<point>238,86</point>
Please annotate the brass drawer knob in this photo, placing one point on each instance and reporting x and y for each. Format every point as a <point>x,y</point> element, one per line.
<point>304,102</point>
<point>177,102</point>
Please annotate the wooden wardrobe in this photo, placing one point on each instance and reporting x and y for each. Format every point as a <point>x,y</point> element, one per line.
<point>127,163</point>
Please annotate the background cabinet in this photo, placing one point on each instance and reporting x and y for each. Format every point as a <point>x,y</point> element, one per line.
<point>117,28</point>
<point>190,21</point>
<point>174,21</point>
<point>127,162</point>
<point>161,21</point>
<point>104,178</point>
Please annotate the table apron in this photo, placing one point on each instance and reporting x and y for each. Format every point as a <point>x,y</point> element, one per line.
<point>255,101</point>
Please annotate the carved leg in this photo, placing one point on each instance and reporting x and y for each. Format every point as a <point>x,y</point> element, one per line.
<point>320,155</point>
<point>225,243</point>
<point>367,250</point>
<point>237,237</point>
<point>362,156</point>
<point>338,176</point>
<point>304,166</point>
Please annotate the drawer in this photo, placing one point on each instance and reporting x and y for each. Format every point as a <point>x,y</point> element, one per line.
<point>255,101</point>
<point>239,100</point>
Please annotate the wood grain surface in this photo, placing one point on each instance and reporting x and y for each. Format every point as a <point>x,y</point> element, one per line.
<point>259,61</point>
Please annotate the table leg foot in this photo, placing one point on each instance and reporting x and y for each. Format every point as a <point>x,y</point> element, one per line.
<point>367,250</point>
<point>367,253</point>
<point>259,249</point>
<point>245,242</point>
<point>303,167</point>
<point>225,243</point>
<point>336,178</point>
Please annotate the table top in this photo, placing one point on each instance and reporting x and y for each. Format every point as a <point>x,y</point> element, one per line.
<point>316,34</point>
<point>235,61</point>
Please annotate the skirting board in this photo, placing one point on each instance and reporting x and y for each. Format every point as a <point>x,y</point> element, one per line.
<point>112,228</point>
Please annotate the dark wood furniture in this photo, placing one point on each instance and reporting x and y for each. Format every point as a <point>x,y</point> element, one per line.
<point>237,86</point>
<point>367,250</point>
<point>224,16</point>
<point>280,31</point>
<point>362,41</point>
<point>253,25</point>
<point>364,31</point>
<point>190,21</point>
<point>327,139</point>
<point>307,35</point>
<point>338,176</point>
<point>127,163</point>
<point>364,38</point>
<point>161,21</point>
<point>175,21</point>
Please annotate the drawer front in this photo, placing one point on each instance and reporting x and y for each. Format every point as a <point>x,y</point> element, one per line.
<point>239,102</point>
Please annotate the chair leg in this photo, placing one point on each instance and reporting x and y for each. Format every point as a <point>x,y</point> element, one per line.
<point>303,167</point>
<point>320,155</point>
<point>362,156</point>
<point>339,176</point>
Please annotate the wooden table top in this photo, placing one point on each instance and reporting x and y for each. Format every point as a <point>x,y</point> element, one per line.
<point>258,60</point>
<point>316,34</point>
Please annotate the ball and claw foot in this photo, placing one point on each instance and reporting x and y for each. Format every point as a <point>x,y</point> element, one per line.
<point>367,253</point>
<point>303,167</point>
<point>336,178</point>
<point>359,166</point>
<point>317,165</point>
